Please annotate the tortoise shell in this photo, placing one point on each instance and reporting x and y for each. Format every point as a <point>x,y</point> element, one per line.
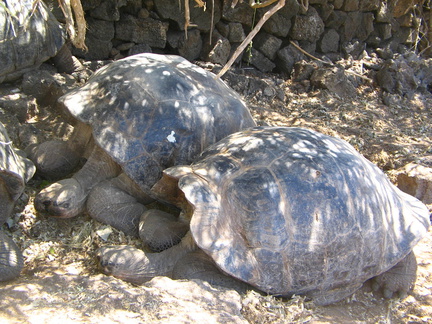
<point>151,111</point>
<point>15,171</point>
<point>293,211</point>
<point>29,35</point>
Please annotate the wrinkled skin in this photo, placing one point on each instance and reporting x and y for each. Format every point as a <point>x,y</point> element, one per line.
<point>62,198</point>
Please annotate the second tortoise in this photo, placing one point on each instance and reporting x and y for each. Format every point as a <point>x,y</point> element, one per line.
<point>141,115</point>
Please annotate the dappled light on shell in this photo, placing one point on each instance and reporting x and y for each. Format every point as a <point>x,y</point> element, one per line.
<point>253,144</point>
<point>290,210</point>
<point>150,112</point>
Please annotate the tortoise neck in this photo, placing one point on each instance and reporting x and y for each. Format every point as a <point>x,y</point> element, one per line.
<point>80,137</point>
<point>99,166</point>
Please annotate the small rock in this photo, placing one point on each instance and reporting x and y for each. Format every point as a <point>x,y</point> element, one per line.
<point>236,33</point>
<point>241,13</point>
<point>191,47</point>
<point>287,56</point>
<point>139,48</point>
<point>107,10</point>
<point>338,4</point>
<point>114,52</point>
<point>30,134</point>
<point>170,10</point>
<point>223,29</point>
<point>384,30</point>
<point>38,83</point>
<point>369,5</point>
<point>267,44</point>
<point>307,27</point>
<point>218,51</point>
<point>143,13</point>
<point>396,76</point>
<point>351,5</point>
<point>336,19</point>
<point>18,105</point>
<point>416,180</point>
<point>358,25</point>
<point>279,24</point>
<point>98,40</point>
<point>329,41</point>
<point>334,80</point>
<point>353,49</point>
<point>125,46</point>
<point>259,60</point>
<point>150,31</point>
<point>303,70</point>
<point>384,14</point>
<point>104,232</point>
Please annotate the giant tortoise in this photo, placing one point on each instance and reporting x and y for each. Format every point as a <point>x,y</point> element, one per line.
<point>288,211</point>
<point>15,171</point>
<point>30,35</point>
<point>145,113</point>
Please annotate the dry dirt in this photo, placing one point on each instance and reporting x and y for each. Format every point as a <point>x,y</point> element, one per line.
<point>61,283</point>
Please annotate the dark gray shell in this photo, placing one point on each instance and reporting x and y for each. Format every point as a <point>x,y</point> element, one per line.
<point>152,111</point>
<point>290,210</point>
<point>15,170</point>
<point>28,37</point>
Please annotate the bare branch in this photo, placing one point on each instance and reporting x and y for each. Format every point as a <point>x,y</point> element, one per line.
<point>251,35</point>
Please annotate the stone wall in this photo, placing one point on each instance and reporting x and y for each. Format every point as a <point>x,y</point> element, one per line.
<point>330,28</point>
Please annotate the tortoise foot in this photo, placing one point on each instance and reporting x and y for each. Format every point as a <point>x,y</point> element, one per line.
<point>126,263</point>
<point>160,231</point>
<point>399,280</point>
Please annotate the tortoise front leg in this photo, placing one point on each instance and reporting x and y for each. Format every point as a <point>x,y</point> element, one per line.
<point>67,198</point>
<point>118,202</point>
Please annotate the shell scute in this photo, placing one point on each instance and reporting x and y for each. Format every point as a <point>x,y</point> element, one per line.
<point>248,207</point>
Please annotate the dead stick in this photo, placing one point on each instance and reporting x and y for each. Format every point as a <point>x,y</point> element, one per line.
<point>307,54</point>
<point>249,37</point>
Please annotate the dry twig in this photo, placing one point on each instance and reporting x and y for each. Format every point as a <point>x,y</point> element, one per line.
<point>76,33</point>
<point>328,63</point>
<point>252,34</point>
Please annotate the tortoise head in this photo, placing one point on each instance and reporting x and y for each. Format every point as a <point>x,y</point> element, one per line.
<point>64,199</point>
